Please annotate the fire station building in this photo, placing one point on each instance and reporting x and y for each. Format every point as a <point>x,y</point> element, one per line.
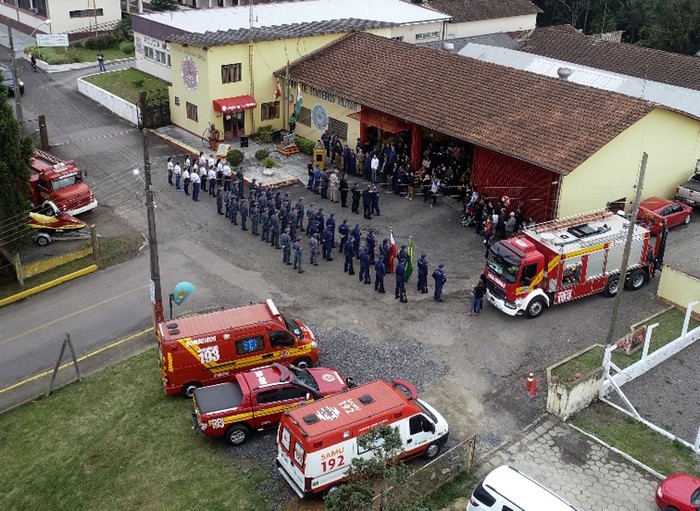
<point>554,147</point>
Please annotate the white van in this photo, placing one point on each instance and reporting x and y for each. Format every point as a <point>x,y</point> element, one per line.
<point>507,489</point>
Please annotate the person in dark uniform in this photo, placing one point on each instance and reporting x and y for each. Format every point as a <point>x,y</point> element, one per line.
<point>327,241</point>
<point>356,236</point>
<point>367,203</point>
<point>331,223</point>
<point>440,279</point>
<point>349,267</point>
<point>275,230</point>
<point>402,255</point>
<point>374,201</point>
<point>356,193</point>
<point>320,220</point>
<point>265,224</point>
<point>422,264</point>
<point>344,188</point>
<point>364,268</point>
<point>400,290</point>
<point>292,223</point>
<point>312,229</point>
<point>228,201</point>
<point>313,245</point>
<point>219,203</point>
<point>254,219</point>
<point>244,214</point>
<point>310,217</point>
<point>296,247</point>
<point>286,243</point>
<point>379,273</point>
<point>370,243</point>
<point>344,232</point>
<point>299,207</point>
<point>310,175</point>
<point>234,211</point>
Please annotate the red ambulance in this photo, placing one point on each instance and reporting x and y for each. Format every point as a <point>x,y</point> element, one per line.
<point>316,443</point>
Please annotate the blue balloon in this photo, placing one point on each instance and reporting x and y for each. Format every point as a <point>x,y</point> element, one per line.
<point>182,291</point>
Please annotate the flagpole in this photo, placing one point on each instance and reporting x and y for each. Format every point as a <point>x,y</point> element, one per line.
<point>286,98</point>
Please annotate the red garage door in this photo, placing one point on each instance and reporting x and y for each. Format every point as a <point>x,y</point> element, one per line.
<point>528,186</point>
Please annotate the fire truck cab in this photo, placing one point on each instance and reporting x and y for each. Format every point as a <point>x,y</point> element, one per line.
<point>562,260</point>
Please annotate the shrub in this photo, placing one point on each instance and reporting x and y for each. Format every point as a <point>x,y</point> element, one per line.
<point>261,154</point>
<point>100,42</point>
<point>138,83</point>
<point>269,162</point>
<point>127,47</point>
<point>78,44</point>
<point>305,145</point>
<point>235,157</point>
<point>122,30</point>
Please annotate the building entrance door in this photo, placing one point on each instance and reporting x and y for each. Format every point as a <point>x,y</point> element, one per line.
<point>234,124</point>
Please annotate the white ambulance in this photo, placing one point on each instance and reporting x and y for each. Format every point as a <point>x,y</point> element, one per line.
<point>316,443</point>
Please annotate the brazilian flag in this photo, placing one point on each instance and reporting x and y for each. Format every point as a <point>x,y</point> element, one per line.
<point>409,264</point>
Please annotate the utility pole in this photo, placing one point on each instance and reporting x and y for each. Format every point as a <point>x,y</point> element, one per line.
<point>156,294</point>
<point>251,78</point>
<point>626,253</point>
<point>18,94</point>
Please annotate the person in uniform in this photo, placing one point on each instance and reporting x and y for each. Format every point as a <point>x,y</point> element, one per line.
<point>265,225</point>
<point>356,193</point>
<point>331,223</point>
<point>227,176</point>
<point>211,175</point>
<point>170,166</point>
<point>310,216</point>
<point>367,203</point>
<point>364,267</point>
<point>299,207</point>
<point>320,219</point>
<point>400,290</point>
<point>234,211</point>
<point>219,203</point>
<point>177,171</point>
<point>244,214</point>
<point>186,180</point>
<point>440,279</point>
<point>344,232</point>
<point>348,266</point>
<point>313,229</point>
<point>422,264</point>
<point>228,200</point>
<point>313,246</point>
<point>403,255</point>
<point>286,243</point>
<point>327,240</point>
<point>374,204</point>
<point>370,242</point>
<point>379,273</point>
<point>344,188</point>
<point>254,219</point>
<point>297,255</point>
<point>356,236</point>
<point>275,230</point>
<point>194,177</point>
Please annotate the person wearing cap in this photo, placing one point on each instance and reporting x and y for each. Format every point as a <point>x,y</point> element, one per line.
<point>313,245</point>
<point>344,232</point>
<point>356,194</point>
<point>344,188</point>
<point>299,207</point>
<point>310,215</point>
<point>296,247</point>
<point>403,254</point>
<point>379,273</point>
<point>350,253</point>
<point>356,236</point>
<point>422,264</point>
<point>440,279</point>
<point>327,243</point>
<point>370,243</point>
<point>331,223</point>
<point>320,220</point>
<point>400,290</point>
<point>275,230</point>
<point>286,242</point>
<point>364,267</point>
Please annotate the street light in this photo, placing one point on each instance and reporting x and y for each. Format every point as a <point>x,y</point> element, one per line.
<point>13,65</point>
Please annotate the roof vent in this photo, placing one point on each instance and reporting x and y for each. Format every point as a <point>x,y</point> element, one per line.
<point>366,399</point>
<point>312,418</point>
<point>448,46</point>
<point>174,331</point>
<point>564,72</point>
<point>171,325</point>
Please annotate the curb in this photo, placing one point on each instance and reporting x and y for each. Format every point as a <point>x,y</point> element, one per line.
<point>48,285</point>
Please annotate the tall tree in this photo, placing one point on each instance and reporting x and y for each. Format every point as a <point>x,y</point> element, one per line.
<point>15,151</point>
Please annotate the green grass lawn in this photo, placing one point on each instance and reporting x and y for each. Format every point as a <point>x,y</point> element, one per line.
<point>128,83</point>
<point>75,54</point>
<point>624,433</point>
<point>116,442</point>
<point>584,364</point>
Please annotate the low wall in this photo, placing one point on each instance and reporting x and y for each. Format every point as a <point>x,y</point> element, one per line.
<point>32,269</point>
<point>565,398</point>
<point>113,103</point>
<point>679,289</point>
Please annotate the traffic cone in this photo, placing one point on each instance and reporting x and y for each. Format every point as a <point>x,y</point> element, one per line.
<point>531,385</point>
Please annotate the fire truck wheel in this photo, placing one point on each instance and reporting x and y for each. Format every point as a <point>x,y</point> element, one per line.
<point>535,308</point>
<point>332,489</point>
<point>432,451</point>
<point>636,280</point>
<point>189,388</point>
<point>612,286</point>
<point>237,434</point>
<point>303,363</point>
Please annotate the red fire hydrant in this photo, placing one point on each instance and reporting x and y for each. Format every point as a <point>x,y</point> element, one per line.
<point>531,385</point>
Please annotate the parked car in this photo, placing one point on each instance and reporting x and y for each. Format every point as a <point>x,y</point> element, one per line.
<point>679,492</point>
<point>9,80</point>
<point>689,192</point>
<point>673,212</point>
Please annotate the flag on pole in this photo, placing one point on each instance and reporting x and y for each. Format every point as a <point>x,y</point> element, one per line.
<point>278,91</point>
<point>297,106</point>
<point>409,264</point>
<point>392,251</point>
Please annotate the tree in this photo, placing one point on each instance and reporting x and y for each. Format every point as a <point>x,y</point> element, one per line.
<point>164,5</point>
<point>15,151</point>
<point>383,474</point>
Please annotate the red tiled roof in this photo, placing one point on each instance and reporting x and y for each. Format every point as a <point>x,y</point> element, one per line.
<point>551,123</point>
<point>475,10</point>
<point>566,43</point>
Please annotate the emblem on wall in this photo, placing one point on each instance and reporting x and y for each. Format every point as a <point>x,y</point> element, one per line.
<point>319,117</point>
<point>190,75</point>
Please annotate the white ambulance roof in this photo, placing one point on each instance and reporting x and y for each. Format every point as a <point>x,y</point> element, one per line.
<point>526,493</point>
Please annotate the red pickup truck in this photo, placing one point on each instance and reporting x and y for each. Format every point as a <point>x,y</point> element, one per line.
<point>256,399</point>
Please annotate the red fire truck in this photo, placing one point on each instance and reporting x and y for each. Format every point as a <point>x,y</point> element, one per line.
<point>60,182</point>
<point>562,260</point>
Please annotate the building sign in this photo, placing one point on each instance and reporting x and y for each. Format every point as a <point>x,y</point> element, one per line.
<point>319,117</point>
<point>52,40</point>
<point>327,96</point>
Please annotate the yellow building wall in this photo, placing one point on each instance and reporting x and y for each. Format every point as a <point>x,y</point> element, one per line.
<point>671,140</point>
<point>336,109</point>
<point>679,289</point>
<point>268,57</point>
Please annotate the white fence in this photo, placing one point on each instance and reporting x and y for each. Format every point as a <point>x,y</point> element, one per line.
<point>115,104</point>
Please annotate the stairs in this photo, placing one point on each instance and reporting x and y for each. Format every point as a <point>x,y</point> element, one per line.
<point>287,150</point>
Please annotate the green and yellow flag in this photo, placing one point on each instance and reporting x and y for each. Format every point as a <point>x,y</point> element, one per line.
<point>409,264</point>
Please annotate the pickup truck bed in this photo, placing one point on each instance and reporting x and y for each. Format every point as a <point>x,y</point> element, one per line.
<point>219,397</point>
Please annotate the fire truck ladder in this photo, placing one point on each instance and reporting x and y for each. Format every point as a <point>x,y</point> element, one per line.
<point>50,158</point>
<point>571,221</point>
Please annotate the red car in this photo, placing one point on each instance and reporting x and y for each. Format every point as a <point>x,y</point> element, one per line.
<point>679,492</point>
<point>674,212</point>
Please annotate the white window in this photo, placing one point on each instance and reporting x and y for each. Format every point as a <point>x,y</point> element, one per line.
<point>427,35</point>
<point>299,454</point>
